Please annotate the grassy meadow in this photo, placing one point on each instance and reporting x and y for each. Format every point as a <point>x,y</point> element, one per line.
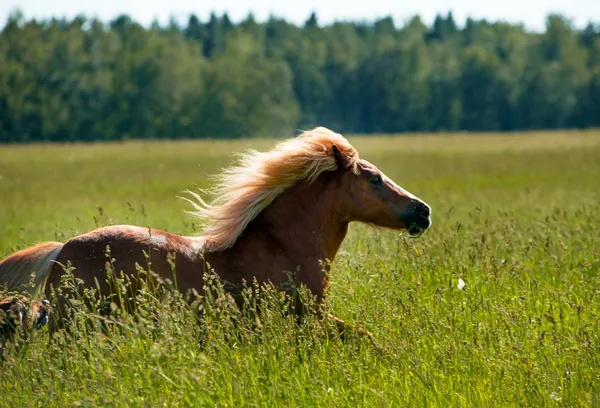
<point>515,216</point>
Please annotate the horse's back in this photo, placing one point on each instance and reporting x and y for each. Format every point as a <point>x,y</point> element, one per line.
<point>125,248</point>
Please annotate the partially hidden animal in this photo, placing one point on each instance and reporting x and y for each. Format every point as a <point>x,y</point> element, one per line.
<point>19,312</point>
<point>273,214</point>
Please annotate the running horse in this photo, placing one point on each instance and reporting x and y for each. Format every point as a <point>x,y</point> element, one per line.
<point>274,212</point>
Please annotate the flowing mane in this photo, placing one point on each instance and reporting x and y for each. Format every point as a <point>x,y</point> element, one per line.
<point>242,191</point>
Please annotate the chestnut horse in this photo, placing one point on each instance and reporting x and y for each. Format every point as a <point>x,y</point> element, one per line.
<point>18,311</point>
<point>278,212</point>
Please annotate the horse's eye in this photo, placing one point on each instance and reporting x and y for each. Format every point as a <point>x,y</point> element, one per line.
<point>376,180</point>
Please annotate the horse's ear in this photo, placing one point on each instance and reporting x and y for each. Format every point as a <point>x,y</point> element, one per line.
<point>341,161</point>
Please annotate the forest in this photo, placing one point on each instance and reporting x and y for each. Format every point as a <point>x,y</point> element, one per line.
<point>87,80</point>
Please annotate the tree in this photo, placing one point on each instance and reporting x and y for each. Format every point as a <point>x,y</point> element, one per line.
<point>311,22</point>
<point>80,79</point>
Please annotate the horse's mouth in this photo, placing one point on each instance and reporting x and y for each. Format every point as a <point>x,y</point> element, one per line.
<point>417,228</point>
<point>41,321</point>
<point>415,231</point>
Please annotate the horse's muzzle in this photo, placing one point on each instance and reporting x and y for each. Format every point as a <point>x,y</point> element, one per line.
<point>417,218</point>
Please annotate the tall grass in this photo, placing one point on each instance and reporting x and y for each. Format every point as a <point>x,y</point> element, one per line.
<point>514,216</point>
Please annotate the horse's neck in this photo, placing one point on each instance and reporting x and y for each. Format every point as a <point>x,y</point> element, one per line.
<point>301,229</point>
<point>307,219</point>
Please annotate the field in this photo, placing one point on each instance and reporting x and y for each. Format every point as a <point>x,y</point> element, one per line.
<point>516,217</point>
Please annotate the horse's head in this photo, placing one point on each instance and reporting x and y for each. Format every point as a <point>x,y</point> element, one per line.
<point>373,198</point>
<point>18,311</point>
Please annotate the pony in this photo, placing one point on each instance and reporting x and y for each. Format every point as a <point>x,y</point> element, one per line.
<point>20,315</point>
<point>273,214</point>
<point>19,311</point>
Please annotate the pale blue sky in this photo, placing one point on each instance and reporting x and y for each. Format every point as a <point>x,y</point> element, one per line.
<point>530,12</point>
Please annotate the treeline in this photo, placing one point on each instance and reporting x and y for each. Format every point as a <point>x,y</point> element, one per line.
<point>81,79</point>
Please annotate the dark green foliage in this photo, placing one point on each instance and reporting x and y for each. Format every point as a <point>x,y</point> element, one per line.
<point>64,80</point>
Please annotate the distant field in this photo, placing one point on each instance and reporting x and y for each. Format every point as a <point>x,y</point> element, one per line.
<point>515,216</point>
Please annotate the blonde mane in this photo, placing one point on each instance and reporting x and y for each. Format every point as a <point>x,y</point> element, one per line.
<point>242,191</point>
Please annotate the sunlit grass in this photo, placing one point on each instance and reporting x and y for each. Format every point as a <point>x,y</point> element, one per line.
<point>514,216</point>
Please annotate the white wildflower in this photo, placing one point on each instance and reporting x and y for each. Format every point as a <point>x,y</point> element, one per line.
<point>461,284</point>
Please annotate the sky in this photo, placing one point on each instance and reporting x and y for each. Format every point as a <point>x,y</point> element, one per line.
<point>531,13</point>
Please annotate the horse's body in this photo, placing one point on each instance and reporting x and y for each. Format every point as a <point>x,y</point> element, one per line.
<point>280,214</point>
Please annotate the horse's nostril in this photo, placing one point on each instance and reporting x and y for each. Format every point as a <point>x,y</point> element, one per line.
<point>422,209</point>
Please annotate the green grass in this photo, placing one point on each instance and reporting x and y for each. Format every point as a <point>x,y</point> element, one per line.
<point>515,216</point>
